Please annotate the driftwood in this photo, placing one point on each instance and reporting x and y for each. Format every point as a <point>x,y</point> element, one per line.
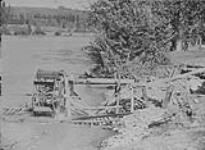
<point>159,122</point>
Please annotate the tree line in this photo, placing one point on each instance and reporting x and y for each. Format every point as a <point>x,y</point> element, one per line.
<point>68,20</point>
<point>2,14</point>
<point>139,33</point>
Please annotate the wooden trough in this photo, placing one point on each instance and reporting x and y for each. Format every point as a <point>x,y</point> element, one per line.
<point>97,115</point>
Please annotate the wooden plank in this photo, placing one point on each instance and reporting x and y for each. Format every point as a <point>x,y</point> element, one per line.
<point>101,116</point>
<point>102,81</point>
<point>101,107</point>
<point>41,109</point>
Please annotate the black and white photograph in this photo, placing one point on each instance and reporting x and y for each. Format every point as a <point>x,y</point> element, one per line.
<point>102,74</point>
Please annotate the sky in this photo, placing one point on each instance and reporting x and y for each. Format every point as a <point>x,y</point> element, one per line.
<point>75,4</point>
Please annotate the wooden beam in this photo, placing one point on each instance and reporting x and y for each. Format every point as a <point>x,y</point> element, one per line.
<point>101,116</point>
<point>102,81</point>
<point>132,99</point>
<point>102,107</point>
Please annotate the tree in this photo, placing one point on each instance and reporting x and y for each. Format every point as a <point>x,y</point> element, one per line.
<point>1,22</point>
<point>185,18</point>
<point>142,31</point>
<point>77,24</point>
<point>22,19</point>
<point>2,18</point>
<point>130,33</point>
<point>5,13</point>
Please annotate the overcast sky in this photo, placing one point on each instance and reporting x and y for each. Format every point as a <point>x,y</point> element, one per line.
<point>75,4</point>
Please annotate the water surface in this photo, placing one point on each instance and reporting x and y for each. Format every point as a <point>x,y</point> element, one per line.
<point>22,56</point>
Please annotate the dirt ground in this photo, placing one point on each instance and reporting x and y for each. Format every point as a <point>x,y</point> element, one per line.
<point>52,136</point>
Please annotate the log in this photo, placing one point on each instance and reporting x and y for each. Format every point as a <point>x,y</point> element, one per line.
<point>201,70</point>
<point>159,122</point>
<point>196,71</point>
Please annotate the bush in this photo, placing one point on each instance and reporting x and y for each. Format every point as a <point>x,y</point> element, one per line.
<point>39,31</point>
<point>57,33</point>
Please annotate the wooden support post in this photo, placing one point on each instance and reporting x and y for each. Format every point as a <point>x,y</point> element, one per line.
<point>168,96</point>
<point>67,98</point>
<point>117,92</point>
<point>71,85</point>
<point>132,99</point>
<point>144,93</point>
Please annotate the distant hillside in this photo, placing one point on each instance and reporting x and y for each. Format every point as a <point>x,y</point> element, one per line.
<point>61,17</point>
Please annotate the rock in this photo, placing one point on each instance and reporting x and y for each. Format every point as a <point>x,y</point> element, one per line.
<point>195,83</point>
<point>196,101</point>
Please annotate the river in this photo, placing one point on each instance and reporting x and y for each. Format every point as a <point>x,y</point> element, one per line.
<point>21,57</point>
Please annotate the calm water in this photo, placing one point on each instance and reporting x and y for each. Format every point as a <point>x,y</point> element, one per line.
<point>22,56</point>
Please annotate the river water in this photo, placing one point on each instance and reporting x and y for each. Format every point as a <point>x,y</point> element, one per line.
<point>22,56</point>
